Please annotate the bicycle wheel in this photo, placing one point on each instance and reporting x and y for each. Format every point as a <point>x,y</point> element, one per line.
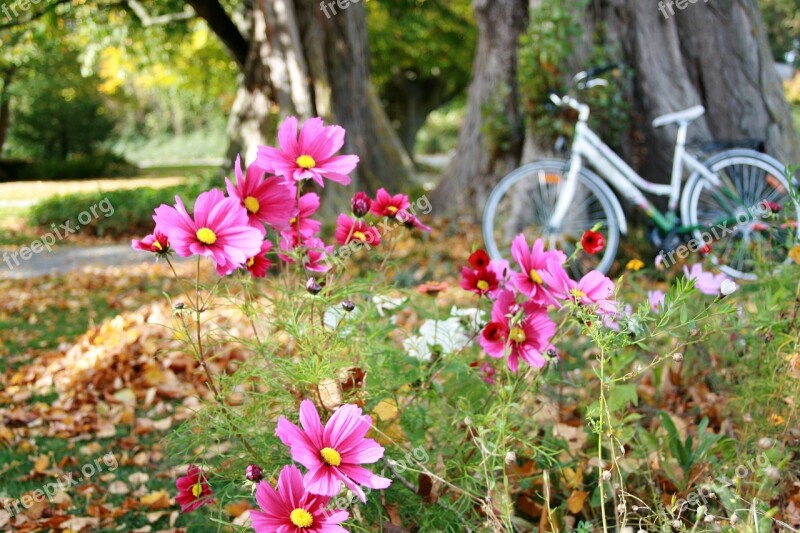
<point>750,219</point>
<point>525,199</point>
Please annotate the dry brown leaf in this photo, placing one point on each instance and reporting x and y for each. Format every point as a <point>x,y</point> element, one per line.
<point>155,500</point>
<point>576,500</point>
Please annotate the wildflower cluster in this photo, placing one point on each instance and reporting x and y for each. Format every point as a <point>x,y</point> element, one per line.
<point>264,211</point>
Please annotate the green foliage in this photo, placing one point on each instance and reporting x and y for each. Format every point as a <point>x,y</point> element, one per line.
<point>782,21</point>
<point>546,65</point>
<point>422,39</point>
<point>101,165</point>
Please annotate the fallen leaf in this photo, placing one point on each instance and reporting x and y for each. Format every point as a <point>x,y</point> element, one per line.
<point>576,500</point>
<point>156,500</point>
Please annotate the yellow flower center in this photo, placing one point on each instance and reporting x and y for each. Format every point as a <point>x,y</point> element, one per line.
<point>482,284</point>
<point>157,245</point>
<point>535,277</point>
<point>301,518</point>
<point>206,236</point>
<point>360,236</point>
<point>251,204</point>
<point>392,209</point>
<point>577,293</point>
<point>251,261</point>
<point>517,335</point>
<point>197,490</point>
<point>293,221</point>
<point>331,456</point>
<point>306,161</point>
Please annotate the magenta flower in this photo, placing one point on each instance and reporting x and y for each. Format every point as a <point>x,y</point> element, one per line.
<point>219,230</point>
<point>301,222</point>
<point>349,230</point>
<point>292,509</point>
<point>156,242</point>
<point>412,222</point>
<point>334,453</point>
<point>386,205</point>
<point>705,282</point>
<point>193,490</point>
<point>259,264</point>
<point>518,331</point>
<point>360,204</point>
<point>316,252</point>
<point>311,155</point>
<point>267,200</point>
<point>537,267</point>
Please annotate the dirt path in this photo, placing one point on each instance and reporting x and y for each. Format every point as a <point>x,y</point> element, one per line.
<point>69,258</point>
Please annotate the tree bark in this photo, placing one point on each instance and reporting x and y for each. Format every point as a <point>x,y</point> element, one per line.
<point>491,138</point>
<point>301,62</point>
<point>715,54</point>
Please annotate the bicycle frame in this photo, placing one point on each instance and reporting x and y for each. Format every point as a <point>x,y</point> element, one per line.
<point>587,146</point>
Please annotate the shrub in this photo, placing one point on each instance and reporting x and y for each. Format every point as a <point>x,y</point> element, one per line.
<point>133,210</point>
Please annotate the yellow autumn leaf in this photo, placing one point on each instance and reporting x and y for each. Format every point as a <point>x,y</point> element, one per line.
<point>576,500</point>
<point>156,500</point>
<point>41,463</point>
<point>794,254</point>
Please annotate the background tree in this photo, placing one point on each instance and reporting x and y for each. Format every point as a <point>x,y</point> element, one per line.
<point>715,54</point>
<point>491,138</point>
<point>421,53</point>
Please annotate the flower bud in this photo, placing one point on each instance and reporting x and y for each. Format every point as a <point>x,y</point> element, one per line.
<point>361,204</point>
<point>254,473</point>
<point>348,305</point>
<point>312,286</point>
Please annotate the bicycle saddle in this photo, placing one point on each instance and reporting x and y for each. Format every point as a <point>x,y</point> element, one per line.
<point>686,116</point>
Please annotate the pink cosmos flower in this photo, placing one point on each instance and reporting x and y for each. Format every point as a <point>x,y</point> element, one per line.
<point>316,253</point>
<point>292,509</point>
<point>193,490</point>
<point>519,331</point>
<point>705,282</point>
<point>267,201</point>
<point>360,204</point>
<point>655,299</point>
<point>386,205</point>
<point>259,264</point>
<point>220,230</point>
<point>309,156</point>
<point>301,221</point>
<point>485,371</point>
<point>156,242</point>
<point>412,222</point>
<point>593,289</point>
<point>335,452</point>
<point>537,266</point>
<point>348,230</point>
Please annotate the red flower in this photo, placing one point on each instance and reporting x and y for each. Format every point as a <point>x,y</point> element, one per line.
<point>705,249</point>
<point>349,230</point>
<point>156,242</point>
<point>775,207</point>
<point>361,204</point>
<point>386,205</point>
<point>193,490</point>
<point>592,242</point>
<point>258,264</point>
<point>479,259</point>
<point>480,281</point>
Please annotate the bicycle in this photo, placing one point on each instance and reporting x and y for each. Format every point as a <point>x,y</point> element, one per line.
<point>558,200</point>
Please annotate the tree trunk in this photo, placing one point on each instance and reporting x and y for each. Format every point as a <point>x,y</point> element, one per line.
<point>491,138</point>
<point>715,54</point>
<point>300,62</point>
